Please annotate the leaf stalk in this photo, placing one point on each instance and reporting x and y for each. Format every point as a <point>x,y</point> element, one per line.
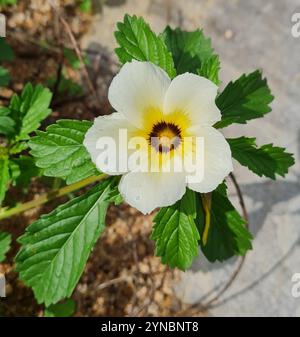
<point>46,197</point>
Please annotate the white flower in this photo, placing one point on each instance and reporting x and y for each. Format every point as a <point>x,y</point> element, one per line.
<point>150,104</point>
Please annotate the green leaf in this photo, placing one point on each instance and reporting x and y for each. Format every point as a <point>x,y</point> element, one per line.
<point>6,122</point>
<point>30,109</point>
<point>22,170</point>
<point>5,241</point>
<point>73,59</point>
<point>4,177</point>
<point>4,77</point>
<point>210,69</point>
<point>227,234</point>
<point>138,42</point>
<point>66,86</point>
<point>66,308</point>
<point>18,147</point>
<point>56,247</point>
<point>6,53</point>
<point>245,99</point>
<point>14,172</point>
<point>192,52</point>
<point>85,5</point>
<point>115,196</point>
<point>7,3</point>
<point>267,160</point>
<point>176,234</point>
<point>60,152</point>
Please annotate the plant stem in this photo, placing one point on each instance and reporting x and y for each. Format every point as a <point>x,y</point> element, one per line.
<point>204,307</point>
<point>42,199</point>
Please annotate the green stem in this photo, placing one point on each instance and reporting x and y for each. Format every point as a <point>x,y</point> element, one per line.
<point>56,183</point>
<point>42,199</point>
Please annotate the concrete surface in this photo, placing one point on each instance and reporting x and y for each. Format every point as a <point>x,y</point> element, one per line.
<point>247,35</point>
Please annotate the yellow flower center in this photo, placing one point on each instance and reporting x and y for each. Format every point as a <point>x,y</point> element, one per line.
<point>165,136</point>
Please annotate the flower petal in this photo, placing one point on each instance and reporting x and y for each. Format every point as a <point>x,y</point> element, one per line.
<point>217,159</point>
<point>109,126</point>
<point>138,87</point>
<point>147,191</point>
<point>194,96</point>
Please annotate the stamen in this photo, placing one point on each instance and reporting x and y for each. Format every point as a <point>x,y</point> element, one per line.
<point>165,137</point>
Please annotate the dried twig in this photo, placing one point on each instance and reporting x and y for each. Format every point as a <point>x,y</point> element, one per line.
<point>58,79</point>
<point>241,198</point>
<point>76,49</point>
<point>114,281</point>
